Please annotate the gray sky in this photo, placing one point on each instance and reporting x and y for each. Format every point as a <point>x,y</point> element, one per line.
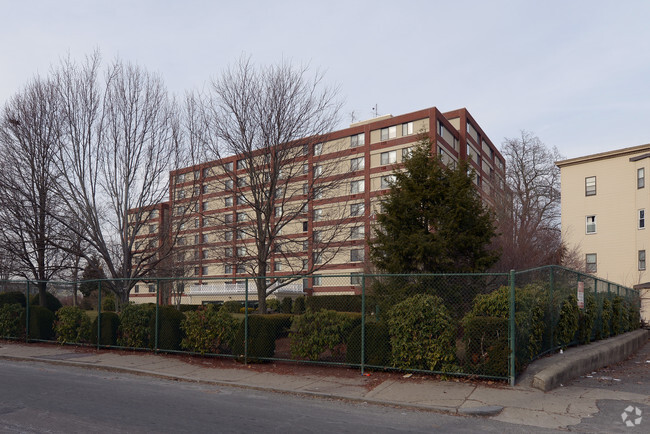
<point>575,73</point>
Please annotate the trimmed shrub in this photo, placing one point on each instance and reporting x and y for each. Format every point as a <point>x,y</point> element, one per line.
<point>261,338</point>
<point>339,303</point>
<point>72,325</point>
<point>12,320</point>
<point>208,330</point>
<point>109,329</point>
<point>13,297</point>
<point>620,320</point>
<point>280,323</point>
<point>170,334</point>
<point>233,306</point>
<point>635,316</point>
<point>567,324</point>
<point>108,304</point>
<point>273,304</point>
<point>299,305</point>
<point>422,334</point>
<point>377,351</point>
<point>41,323</point>
<point>486,345</point>
<point>286,305</point>
<point>51,302</point>
<point>315,332</point>
<point>586,319</point>
<point>189,307</point>
<point>605,320</point>
<point>133,331</point>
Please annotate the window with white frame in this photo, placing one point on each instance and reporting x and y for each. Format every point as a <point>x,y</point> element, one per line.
<point>228,252</point>
<point>242,216</point>
<point>205,238</point>
<point>357,209</point>
<point>407,129</point>
<point>357,163</point>
<point>356,255</point>
<point>228,218</point>
<point>241,164</point>
<point>241,234</point>
<point>305,245</point>
<point>205,270</point>
<point>640,177</point>
<point>389,157</point>
<point>305,189</point>
<point>318,149</point>
<point>591,262</point>
<point>278,211</point>
<point>241,252</point>
<point>388,133</point>
<point>318,280</point>
<point>590,186</point>
<point>204,206</point>
<point>318,170</point>
<point>318,215</point>
<point>357,140</point>
<point>591,224</point>
<point>357,232</point>
<point>241,200</point>
<point>227,236</point>
<point>277,266</point>
<point>227,269</point>
<point>387,181</point>
<point>641,259</point>
<point>357,186</point>
<point>305,168</point>
<point>406,153</point>
<point>641,219</point>
<point>196,223</point>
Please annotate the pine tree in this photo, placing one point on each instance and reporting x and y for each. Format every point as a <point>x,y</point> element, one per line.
<point>433,220</point>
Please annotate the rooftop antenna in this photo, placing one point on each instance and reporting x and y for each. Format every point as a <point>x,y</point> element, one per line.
<point>352,117</point>
<point>375,111</point>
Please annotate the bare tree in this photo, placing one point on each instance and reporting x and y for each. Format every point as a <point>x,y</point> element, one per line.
<point>31,231</point>
<point>120,138</point>
<point>275,121</point>
<point>528,213</point>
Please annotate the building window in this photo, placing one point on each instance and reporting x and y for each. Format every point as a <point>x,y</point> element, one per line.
<point>205,270</point>
<point>590,261</point>
<point>241,252</point>
<point>591,224</point>
<point>318,280</point>
<point>641,219</point>
<point>152,229</point>
<point>388,133</point>
<point>357,163</point>
<point>228,218</point>
<point>205,189</point>
<point>242,217</point>
<point>277,266</point>
<point>136,289</point>
<point>305,226</point>
<point>228,252</point>
<point>305,245</point>
<point>357,232</point>
<point>241,164</point>
<point>406,153</point>
<point>318,149</point>
<point>318,170</point>
<point>407,129</point>
<point>590,186</point>
<point>356,255</point>
<point>180,241</point>
<point>318,258</point>
<point>205,206</point>
<point>196,223</point>
<point>227,236</point>
<point>305,168</point>
<point>204,238</point>
<point>641,259</point>
<point>240,234</point>
<point>227,269</point>
<point>318,215</point>
<point>196,239</point>
<point>387,181</point>
<point>228,166</point>
<point>441,129</point>
<point>355,278</point>
<point>180,178</point>
<point>305,189</point>
<point>389,157</point>
<point>152,288</point>
<point>357,140</point>
<point>318,193</point>
<point>241,200</point>
<point>316,235</point>
<point>227,201</point>
<point>278,192</point>
<point>278,211</point>
<point>357,209</point>
<point>305,150</point>
<point>242,181</point>
<point>357,186</point>
<point>640,178</point>
<point>206,172</point>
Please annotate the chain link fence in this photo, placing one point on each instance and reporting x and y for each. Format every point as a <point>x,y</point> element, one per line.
<point>480,325</point>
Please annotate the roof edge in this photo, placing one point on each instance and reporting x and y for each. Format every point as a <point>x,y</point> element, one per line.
<point>603,155</point>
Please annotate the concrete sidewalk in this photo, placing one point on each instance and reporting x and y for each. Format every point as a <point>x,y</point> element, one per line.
<point>522,404</point>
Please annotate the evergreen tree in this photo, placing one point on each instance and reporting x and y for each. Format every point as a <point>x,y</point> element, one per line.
<point>91,273</point>
<point>433,220</point>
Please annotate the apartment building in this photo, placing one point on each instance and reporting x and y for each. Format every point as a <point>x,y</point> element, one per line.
<point>605,198</point>
<point>332,193</point>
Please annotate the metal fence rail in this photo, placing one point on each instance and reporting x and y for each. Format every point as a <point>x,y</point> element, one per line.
<point>484,325</point>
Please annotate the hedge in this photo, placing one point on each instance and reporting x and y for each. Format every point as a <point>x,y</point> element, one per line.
<point>377,350</point>
<point>110,324</point>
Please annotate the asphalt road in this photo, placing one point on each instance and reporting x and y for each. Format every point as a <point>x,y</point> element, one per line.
<point>37,397</point>
<point>631,375</point>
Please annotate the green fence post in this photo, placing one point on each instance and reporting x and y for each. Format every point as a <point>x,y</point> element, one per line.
<point>552,325</point>
<point>157,314</point>
<point>27,315</point>
<point>511,321</point>
<point>99,313</point>
<point>363,321</point>
<point>246,321</point>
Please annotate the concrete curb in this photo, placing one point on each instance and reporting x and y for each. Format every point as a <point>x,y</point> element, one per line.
<point>586,358</point>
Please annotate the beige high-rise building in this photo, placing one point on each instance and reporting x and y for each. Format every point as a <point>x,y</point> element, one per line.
<point>605,201</point>
<point>332,188</point>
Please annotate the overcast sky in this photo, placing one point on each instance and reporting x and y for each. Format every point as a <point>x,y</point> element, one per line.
<point>575,73</point>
